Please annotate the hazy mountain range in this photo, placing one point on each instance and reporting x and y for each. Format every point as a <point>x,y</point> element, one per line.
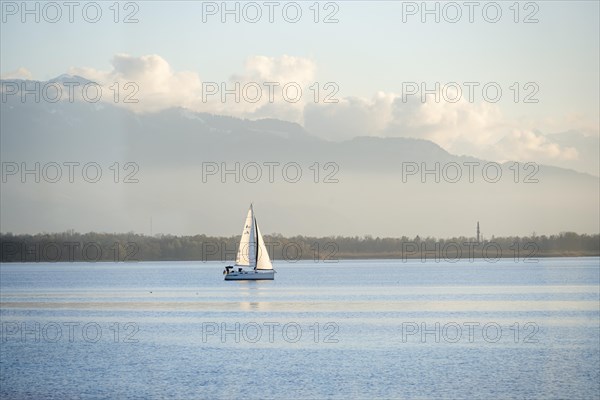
<point>371,196</point>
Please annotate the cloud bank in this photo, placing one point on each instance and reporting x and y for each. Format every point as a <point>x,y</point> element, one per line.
<point>471,128</point>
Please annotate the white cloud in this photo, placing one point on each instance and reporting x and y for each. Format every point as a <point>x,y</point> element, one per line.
<point>463,128</point>
<point>19,73</point>
<point>268,76</point>
<point>159,86</point>
<point>279,69</point>
<point>472,128</point>
<point>525,145</point>
<point>350,117</point>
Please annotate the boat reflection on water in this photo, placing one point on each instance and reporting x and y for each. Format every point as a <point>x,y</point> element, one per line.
<point>249,291</point>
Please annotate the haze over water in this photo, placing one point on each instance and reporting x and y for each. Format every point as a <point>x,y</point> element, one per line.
<point>352,329</point>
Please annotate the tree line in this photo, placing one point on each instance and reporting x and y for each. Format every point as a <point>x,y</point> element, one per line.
<point>129,247</point>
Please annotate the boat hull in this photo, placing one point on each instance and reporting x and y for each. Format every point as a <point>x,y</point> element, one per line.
<point>250,276</point>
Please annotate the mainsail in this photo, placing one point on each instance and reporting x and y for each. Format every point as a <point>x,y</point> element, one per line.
<point>242,254</point>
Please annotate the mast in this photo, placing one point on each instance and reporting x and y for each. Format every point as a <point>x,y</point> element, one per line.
<point>252,240</point>
<point>257,236</point>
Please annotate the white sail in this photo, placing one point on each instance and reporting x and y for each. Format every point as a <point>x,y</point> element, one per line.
<point>264,262</point>
<point>242,254</point>
<point>252,256</point>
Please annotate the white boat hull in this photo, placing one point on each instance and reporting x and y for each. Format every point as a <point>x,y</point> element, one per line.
<point>250,275</point>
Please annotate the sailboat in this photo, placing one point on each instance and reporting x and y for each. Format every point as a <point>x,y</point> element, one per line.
<point>252,262</point>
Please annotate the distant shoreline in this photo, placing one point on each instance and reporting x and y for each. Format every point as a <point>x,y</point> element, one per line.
<point>399,256</point>
<point>532,260</point>
<point>98,247</point>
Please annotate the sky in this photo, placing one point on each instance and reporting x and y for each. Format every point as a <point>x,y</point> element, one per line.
<point>371,63</point>
<point>371,53</point>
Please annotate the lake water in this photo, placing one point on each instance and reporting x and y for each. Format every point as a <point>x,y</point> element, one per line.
<point>352,329</point>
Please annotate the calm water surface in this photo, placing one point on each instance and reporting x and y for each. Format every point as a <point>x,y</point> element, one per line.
<point>352,329</point>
